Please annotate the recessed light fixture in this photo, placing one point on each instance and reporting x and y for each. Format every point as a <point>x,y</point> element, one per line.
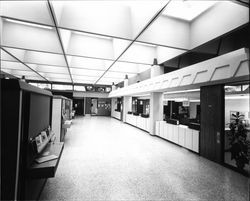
<point>187,10</point>
<point>92,35</point>
<point>28,24</point>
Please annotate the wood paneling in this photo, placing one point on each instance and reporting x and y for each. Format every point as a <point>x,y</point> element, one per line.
<point>212,122</point>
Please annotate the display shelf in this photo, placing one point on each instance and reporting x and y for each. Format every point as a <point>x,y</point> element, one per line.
<point>46,169</point>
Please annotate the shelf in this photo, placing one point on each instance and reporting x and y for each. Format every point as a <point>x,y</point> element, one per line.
<point>46,169</point>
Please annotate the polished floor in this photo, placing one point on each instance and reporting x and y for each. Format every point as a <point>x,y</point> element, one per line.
<point>107,160</point>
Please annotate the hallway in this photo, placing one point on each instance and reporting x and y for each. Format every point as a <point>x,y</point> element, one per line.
<point>105,159</point>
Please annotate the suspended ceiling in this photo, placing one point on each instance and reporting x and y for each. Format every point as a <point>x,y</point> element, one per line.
<point>99,42</point>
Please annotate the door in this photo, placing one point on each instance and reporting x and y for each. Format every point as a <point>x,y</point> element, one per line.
<point>212,122</point>
<point>78,105</point>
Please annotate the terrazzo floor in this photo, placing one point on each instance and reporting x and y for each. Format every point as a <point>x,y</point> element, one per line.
<point>107,160</point>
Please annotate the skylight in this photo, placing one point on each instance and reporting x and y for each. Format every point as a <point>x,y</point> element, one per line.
<point>187,10</point>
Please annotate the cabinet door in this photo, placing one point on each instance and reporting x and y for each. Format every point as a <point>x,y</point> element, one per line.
<point>181,140</point>
<point>165,131</point>
<point>195,141</point>
<point>161,129</point>
<point>157,128</point>
<point>175,134</point>
<point>189,139</point>
<point>170,132</point>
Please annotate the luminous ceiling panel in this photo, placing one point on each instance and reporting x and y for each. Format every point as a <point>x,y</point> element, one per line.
<point>36,11</point>
<point>83,81</point>
<point>16,52</point>
<point>60,80</point>
<point>118,75</point>
<point>52,69</point>
<point>81,62</point>
<point>29,37</point>
<point>81,77</point>
<point>85,45</point>
<point>77,71</point>
<point>113,18</point>
<point>125,67</point>
<point>140,53</point>
<point>13,65</point>
<point>169,32</point>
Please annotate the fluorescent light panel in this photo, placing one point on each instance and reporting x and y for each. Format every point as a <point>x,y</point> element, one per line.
<point>29,24</point>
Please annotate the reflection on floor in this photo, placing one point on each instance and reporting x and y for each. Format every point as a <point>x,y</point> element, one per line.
<point>105,159</point>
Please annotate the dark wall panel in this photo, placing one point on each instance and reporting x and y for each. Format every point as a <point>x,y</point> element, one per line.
<point>212,122</point>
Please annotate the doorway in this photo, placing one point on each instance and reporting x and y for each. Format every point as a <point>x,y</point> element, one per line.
<point>78,106</point>
<point>94,106</point>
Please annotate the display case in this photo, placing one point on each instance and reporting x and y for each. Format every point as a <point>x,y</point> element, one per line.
<point>25,137</point>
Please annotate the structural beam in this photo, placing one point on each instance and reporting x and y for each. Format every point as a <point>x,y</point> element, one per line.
<point>59,37</point>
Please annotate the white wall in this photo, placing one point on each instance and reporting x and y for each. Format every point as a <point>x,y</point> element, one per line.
<point>221,18</point>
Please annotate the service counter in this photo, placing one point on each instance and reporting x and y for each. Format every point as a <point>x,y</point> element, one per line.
<point>138,121</point>
<point>116,114</point>
<point>182,135</point>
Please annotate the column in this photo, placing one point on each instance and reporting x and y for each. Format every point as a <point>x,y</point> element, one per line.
<point>127,101</point>
<point>156,70</point>
<point>127,106</point>
<point>156,110</point>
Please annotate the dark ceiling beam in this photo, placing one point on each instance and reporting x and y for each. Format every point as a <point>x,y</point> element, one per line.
<point>73,55</point>
<point>24,64</point>
<point>138,35</point>
<point>59,37</point>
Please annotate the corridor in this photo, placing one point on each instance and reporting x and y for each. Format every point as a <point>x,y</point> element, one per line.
<point>105,159</point>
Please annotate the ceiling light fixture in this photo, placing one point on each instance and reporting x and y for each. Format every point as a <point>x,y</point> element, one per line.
<point>92,35</point>
<point>29,24</point>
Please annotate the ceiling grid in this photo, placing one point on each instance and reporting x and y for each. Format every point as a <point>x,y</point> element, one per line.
<point>106,40</point>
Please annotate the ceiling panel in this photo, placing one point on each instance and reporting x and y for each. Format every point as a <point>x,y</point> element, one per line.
<point>77,71</point>
<point>169,32</point>
<point>29,37</point>
<point>13,65</point>
<point>140,53</point>
<point>105,17</point>
<point>83,81</point>
<point>35,11</point>
<point>91,46</point>
<point>52,69</point>
<point>117,75</point>
<point>81,62</point>
<point>82,77</point>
